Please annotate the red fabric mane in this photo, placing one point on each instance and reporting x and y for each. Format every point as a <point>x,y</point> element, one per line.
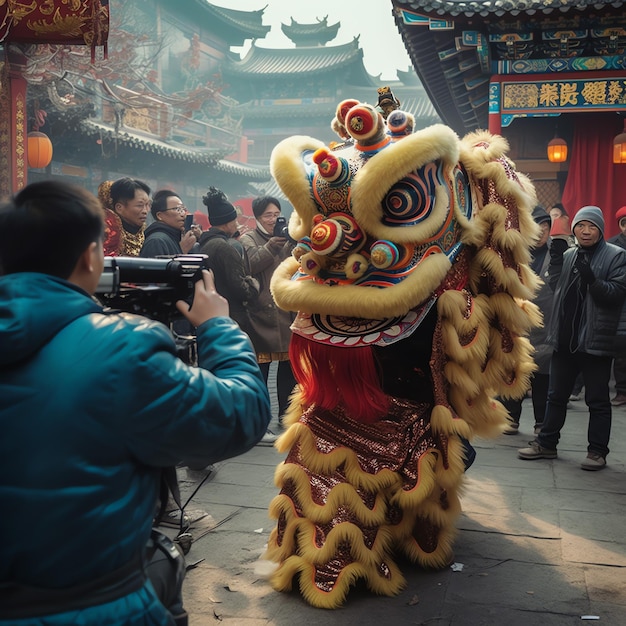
<point>331,377</point>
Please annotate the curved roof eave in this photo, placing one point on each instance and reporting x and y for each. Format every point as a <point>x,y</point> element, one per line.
<point>245,170</point>
<point>262,62</point>
<point>468,8</point>
<point>248,23</point>
<point>205,156</point>
<point>320,30</point>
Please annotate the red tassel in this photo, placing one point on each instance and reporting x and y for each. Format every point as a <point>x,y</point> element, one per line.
<point>331,377</point>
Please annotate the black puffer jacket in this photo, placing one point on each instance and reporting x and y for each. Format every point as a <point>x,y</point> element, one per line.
<point>228,260</point>
<point>602,305</point>
<point>161,240</point>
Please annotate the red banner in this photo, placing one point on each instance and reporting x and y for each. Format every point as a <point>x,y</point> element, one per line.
<point>75,22</point>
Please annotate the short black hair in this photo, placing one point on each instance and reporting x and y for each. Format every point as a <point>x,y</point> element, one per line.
<point>159,201</point>
<point>124,189</point>
<point>46,227</point>
<point>260,204</point>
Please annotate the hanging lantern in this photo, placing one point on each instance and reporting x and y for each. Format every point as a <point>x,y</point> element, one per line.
<point>39,149</point>
<point>557,150</point>
<point>619,146</point>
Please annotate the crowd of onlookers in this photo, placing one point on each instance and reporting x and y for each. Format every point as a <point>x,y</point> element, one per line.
<point>581,294</point>
<point>581,297</point>
<point>140,224</point>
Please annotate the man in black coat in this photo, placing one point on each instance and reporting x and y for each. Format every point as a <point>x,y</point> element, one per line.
<point>165,237</point>
<point>590,286</point>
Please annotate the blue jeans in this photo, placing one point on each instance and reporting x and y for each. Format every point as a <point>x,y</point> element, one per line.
<point>596,372</point>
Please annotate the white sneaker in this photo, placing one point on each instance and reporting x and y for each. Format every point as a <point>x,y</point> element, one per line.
<point>268,438</point>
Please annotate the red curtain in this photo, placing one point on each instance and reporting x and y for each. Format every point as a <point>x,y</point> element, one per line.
<point>593,178</point>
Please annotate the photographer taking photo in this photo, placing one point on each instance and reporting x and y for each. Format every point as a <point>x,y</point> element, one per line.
<point>92,407</point>
<point>267,246</point>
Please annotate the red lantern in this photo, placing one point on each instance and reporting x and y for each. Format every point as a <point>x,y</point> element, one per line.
<point>557,150</point>
<point>39,150</point>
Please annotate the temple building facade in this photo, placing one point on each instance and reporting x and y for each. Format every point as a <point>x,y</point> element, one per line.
<point>538,72</point>
<point>169,101</point>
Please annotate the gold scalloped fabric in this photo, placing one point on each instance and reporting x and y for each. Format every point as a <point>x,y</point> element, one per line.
<point>353,494</point>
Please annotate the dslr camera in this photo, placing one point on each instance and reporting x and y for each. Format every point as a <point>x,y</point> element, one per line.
<point>280,227</point>
<point>150,287</point>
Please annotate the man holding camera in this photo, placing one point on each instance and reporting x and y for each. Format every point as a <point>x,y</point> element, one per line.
<point>268,245</point>
<point>92,407</point>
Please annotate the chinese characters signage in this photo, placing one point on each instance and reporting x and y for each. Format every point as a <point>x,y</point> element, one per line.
<point>552,96</point>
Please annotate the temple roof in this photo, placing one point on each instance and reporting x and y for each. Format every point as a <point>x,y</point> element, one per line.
<point>247,171</point>
<point>174,150</point>
<point>259,63</point>
<point>146,143</point>
<point>499,7</point>
<point>235,26</point>
<point>310,34</point>
<point>455,70</point>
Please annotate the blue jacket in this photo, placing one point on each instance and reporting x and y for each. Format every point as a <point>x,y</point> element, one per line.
<point>91,406</point>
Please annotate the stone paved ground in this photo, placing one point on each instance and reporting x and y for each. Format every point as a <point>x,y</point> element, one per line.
<point>541,542</point>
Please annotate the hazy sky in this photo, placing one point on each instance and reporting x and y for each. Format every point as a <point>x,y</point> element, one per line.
<point>383,50</point>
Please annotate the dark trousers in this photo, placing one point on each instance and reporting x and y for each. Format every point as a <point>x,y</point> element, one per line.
<point>539,389</point>
<point>596,372</point>
<point>285,382</point>
<point>619,371</point>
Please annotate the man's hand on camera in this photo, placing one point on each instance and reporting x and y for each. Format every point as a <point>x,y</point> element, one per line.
<point>187,241</point>
<point>275,244</point>
<point>207,303</point>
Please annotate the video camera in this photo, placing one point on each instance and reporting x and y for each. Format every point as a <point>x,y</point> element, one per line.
<point>150,287</point>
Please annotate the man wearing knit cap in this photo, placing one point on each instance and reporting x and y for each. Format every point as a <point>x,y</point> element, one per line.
<point>589,289</point>
<point>227,258</point>
<point>229,262</point>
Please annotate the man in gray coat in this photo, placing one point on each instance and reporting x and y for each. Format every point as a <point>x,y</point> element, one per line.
<point>590,287</point>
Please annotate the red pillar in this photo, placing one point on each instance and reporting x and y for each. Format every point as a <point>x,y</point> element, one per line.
<point>13,128</point>
<point>19,167</point>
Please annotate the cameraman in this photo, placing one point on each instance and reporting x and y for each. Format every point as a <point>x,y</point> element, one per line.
<point>92,407</point>
<point>268,245</point>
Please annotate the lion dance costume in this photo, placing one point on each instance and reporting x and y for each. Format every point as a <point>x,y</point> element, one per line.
<point>412,289</point>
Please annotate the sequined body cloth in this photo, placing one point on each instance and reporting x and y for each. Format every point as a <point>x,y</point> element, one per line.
<point>353,495</point>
